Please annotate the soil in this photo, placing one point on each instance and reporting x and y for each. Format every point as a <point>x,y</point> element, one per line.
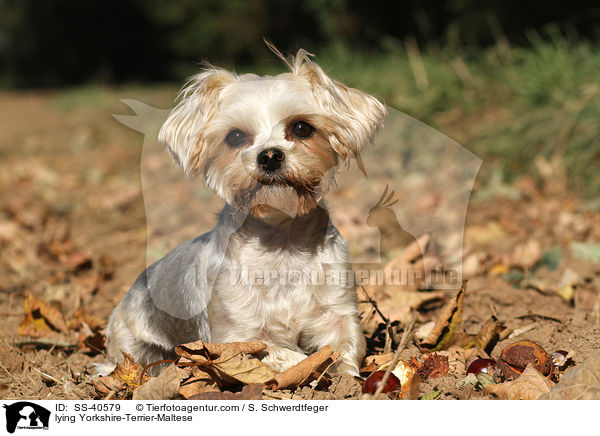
<point>73,233</point>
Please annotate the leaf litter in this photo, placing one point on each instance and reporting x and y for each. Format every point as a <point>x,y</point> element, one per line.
<point>71,252</point>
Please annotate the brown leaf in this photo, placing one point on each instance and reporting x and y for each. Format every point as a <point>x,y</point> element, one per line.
<point>230,363</point>
<point>163,387</point>
<point>486,339</point>
<point>249,392</point>
<point>578,383</point>
<point>41,318</point>
<point>529,386</point>
<point>104,385</point>
<point>197,385</point>
<point>434,365</point>
<point>200,351</point>
<point>237,367</point>
<point>129,372</point>
<point>305,371</point>
<point>450,319</point>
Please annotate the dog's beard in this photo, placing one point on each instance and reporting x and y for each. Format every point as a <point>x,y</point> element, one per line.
<point>273,195</point>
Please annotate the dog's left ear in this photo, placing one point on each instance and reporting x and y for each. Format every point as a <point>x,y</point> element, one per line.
<point>357,115</point>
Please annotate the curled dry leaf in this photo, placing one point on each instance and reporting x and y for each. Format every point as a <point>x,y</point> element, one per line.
<point>163,387</point>
<point>529,386</point>
<point>450,319</point>
<point>305,371</point>
<point>581,382</point>
<point>200,351</point>
<point>230,363</point>
<point>41,318</point>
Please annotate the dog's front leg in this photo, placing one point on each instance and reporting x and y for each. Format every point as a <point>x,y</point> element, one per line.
<point>343,332</point>
<point>280,359</point>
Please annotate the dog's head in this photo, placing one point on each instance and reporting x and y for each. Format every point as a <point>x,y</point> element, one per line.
<point>272,142</point>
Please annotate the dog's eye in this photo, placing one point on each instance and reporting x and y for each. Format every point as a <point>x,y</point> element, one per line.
<point>235,138</point>
<point>302,129</point>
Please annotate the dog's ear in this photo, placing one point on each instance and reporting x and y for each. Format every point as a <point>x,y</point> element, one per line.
<point>182,132</point>
<point>357,115</point>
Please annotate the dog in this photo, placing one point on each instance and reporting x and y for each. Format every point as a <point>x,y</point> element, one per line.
<point>269,147</point>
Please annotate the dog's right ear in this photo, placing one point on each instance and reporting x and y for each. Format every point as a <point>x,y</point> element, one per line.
<point>182,132</point>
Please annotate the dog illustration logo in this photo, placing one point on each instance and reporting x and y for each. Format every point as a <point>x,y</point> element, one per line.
<point>26,415</point>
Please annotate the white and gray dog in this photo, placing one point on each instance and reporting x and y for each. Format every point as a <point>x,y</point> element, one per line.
<point>268,146</point>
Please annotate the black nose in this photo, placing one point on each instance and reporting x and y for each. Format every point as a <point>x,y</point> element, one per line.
<point>270,159</point>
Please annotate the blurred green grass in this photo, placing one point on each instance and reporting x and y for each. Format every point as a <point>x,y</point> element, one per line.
<point>509,105</point>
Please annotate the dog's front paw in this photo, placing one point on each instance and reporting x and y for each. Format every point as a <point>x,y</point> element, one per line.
<point>344,366</point>
<point>280,359</point>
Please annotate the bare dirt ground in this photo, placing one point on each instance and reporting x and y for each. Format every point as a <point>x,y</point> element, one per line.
<point>73,234</point>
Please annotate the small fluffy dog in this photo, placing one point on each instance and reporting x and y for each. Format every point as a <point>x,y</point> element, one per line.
<point>268,146</point>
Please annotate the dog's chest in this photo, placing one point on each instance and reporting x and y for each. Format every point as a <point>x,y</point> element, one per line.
<point>272,295</point>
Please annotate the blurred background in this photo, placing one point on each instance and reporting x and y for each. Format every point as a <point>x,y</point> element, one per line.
<point>510,80</point>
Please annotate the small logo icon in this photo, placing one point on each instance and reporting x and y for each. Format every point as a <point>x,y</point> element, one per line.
<point>26,415</point>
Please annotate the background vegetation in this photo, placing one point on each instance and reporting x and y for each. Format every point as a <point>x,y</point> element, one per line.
<point>513,81</point>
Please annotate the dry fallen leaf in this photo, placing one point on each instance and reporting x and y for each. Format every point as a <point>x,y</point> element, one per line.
<point>129,372</point>
<point>450,319</point>
<point>200,351</point>
<point>305,371</point>
<point>230,363</point>
<point>104,385</point>
<point>458,358</point>
<point>41,318</point>
<point>486,339</point>
<point>529,386</point>
<point>581,382</point>
<point>199,383</point>
<point>248,392</point>
<point>163,387</point>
